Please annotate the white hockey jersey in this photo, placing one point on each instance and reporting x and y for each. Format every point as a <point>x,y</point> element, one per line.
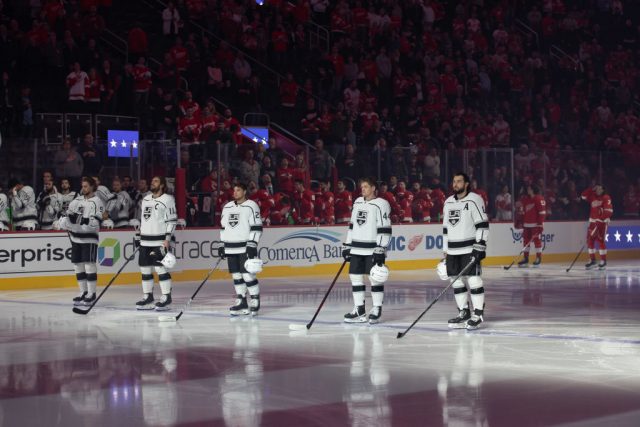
<point>23,206</point>
<point>65,200</point>
<point>87,225</point>
<point>465,223</point>
<point>370,226</point>
<point>137,201</point>
<point>107,198</point>
<point>4,205</point>
<point>49,207</point>
<point>240,224</point>
<point>119,212</point>
<point>158,219</point>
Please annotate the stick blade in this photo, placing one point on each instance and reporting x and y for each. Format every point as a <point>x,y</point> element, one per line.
<point>400,335</point>
<point>297,327</point>
<point>77,310</point>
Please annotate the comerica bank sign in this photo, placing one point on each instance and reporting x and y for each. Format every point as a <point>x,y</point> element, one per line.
<point>311,245</point>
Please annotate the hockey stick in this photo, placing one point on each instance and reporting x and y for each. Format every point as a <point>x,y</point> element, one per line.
<point>462,273</point>
<point>298,327</point>
<point>521,251</point>
<point>176,318</point>
<point>78,310</point>
<point>580,253</point>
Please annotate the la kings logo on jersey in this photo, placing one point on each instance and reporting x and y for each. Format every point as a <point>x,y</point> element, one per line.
<point>361,217</point>
<point>234,219</point>
<point>147,213</point>
<point>454,216</point>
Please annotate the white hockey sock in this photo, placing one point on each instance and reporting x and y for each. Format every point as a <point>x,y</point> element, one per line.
<point>461,294</point>
<point>477,292</point>
<point>81,276</point>
<point>252,283</point>
<point>357,287</point>
<point>164,278</point>
<point>147,280</point>
<point>92,277</point>
<point>377,293</point>
<point>238,284</point>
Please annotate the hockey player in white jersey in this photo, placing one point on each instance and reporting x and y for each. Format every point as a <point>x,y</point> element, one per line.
<point>465,236</point>
<point>368,236</point>
<point>241,230</point>
<point>49,205</point>
<point>108,200</point>
<point>82,221</point>
<point>66,195</point>
<point>157,224</point>
<point>4,216</point>
<point>119,212</point>
<point>23,206</point>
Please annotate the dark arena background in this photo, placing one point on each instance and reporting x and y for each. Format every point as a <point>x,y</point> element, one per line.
<point>537,102</point>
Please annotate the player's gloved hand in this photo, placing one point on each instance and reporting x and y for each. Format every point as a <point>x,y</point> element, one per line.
<point>136,241</point>
<point>479,251</point>
<point>221,253</point>
<point>73,217</point>
<point>346,253</point>
<point>379,256</point>
<point>84,221</point>
<point>252,250</point>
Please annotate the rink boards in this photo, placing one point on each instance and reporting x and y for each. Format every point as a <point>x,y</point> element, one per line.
<point>41,259</point>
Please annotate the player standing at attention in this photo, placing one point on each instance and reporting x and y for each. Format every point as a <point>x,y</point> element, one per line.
<point>533,211</point>
<point>368,236</point>
<point>240,233</point>
<point>157,224</point>
<point>465,235</point>
<point>599,216</point>
<point>82,221</point>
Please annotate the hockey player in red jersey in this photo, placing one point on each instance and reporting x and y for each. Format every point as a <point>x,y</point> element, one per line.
<point>343,203</point>
<point>405,200</point>
<point>533,213</point>
<point>599,217</point>
<point>324,204</point>
<point>422,203</point>
<point>303,202</point>
<point>264,201</point>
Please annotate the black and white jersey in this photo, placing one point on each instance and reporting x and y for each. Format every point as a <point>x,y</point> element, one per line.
<point>158,219</point>
<point>87,225</point>
<point>119,212</point>
<point>465,223</point>
<point>49,206</point>
<point>65,200</point>
<point>370,226</point>
<point>106,196</point>
<point>23,206</point>
<point>241,223</point>
<point>4,205</point>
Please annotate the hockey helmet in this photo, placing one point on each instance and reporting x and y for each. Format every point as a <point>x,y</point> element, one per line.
<point>135,224</point>
<point>169,260</point>
<point>441,269</point>
<point>108,224</point>
<point>379,273</point>
<point>253,265</point>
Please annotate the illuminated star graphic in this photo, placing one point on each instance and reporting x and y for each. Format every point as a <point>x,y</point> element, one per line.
<point>124,144</point>
<point>606,237</point>
<point>617,234</point>
<point>134,144</point>
<point>113,143</point>
<point>255,139</point>
<point>629,236</point>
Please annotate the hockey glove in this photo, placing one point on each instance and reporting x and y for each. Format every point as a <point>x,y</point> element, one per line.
<point>221,253</point>
<point>379,256</point>
<point>84,221</point>
<point>136,241</point>
<point>252,250</point>
<point>346,253</point>
<point>479,251</point>
<point>73,218</point>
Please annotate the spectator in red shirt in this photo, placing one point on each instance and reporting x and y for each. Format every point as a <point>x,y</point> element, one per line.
<point>285,177</point>
<point>142,84</point>
<point>138,43</point>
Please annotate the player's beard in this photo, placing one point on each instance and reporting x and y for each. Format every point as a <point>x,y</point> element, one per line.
<point>460,191</point>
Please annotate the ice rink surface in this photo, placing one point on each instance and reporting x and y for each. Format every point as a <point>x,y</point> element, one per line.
<point>556,349</point>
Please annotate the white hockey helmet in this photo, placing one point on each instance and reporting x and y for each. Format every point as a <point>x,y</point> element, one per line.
<point>30,225</point>
<point>182,223</point>
<point>169,260</point>
<point>108,224</point>
<point>135,224</point>
<point>379,273</point>
<point>253,265</point>
<point>441,269</point>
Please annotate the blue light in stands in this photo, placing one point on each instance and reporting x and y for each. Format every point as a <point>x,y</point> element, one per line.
<point>259,2</point>
<point>122,143</point>
<point>256,134</point>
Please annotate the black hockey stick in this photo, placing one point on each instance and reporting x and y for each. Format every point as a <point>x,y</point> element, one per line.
<point>520,253</point>
<point>297,327</point>
<point>78,310</point>
<point>462,273</point>
<point>580,252</point>
<point>166,318</point>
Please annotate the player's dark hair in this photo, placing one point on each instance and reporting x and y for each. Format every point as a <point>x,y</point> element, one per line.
<point>89,180</point>
<point>535,188</point>
<point>241,185</point>
<point>369,180</point>
<point>464,176</point>
<point>163,182</point>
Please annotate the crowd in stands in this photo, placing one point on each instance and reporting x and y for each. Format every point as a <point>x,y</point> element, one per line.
<point>403,88</point>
